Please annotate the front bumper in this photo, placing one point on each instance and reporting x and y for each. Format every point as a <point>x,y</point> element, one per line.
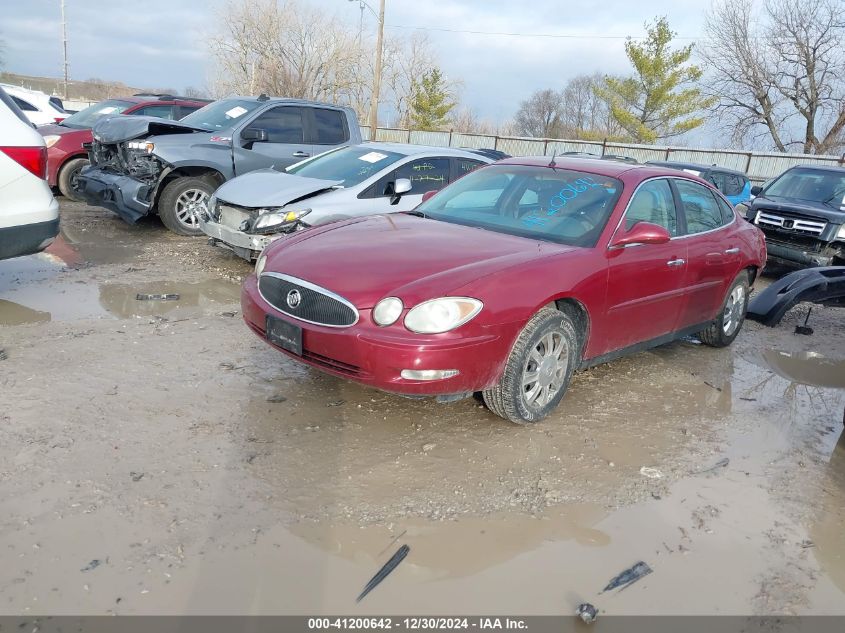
<point>375,356</point>
<point>123,195</point>
<point>796,255</point>
<point>245,245</point>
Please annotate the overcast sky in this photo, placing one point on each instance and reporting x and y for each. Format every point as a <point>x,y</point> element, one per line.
<point>160,42</point>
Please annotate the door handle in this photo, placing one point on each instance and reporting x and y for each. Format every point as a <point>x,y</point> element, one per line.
<point>676,262</point>
<point>301,154</point>
<point>731,251</point>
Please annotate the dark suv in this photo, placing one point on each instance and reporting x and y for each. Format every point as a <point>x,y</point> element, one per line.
<point>802,213</point>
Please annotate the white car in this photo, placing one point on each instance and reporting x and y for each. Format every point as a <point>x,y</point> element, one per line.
<point>250,211</point>
<point>40,108</point>
<point>29,214</point>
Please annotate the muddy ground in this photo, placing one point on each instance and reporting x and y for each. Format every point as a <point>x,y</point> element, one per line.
<point>156,457</point>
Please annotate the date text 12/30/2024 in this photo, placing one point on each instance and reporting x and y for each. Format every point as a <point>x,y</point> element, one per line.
<point>417,624</point>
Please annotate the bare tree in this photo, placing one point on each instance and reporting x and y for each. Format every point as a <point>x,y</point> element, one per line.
<point>466,120</point>
<point>784,79</point>
<point>193,91</point>
<point>405,61</point>
<point>541,115</point>
<point>585,115</point>
<point>285,49</point>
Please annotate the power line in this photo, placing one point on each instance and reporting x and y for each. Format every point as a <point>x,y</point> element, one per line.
<point>571,36</point>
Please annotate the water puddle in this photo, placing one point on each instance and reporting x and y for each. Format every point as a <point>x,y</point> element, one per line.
<point>807,368</point>
<point>35,303</point>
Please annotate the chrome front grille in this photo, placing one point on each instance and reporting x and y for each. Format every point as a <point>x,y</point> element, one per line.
<point>806,226</point>
<point>306,301</point>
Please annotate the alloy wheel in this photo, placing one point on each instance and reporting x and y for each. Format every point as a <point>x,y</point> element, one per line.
<point>545,369</point>
<point>189,205</point>
<point>733,310</point>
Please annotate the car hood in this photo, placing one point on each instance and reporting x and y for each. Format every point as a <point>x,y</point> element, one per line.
<point>802,207</point>
<point>270,188</point>
<point>115,129</point>
<point>414,258</point>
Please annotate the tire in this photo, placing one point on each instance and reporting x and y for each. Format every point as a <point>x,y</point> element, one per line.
<point>67,178</point>
<point>727,325</point>
<point>181,201</point>
<point>511,400</point>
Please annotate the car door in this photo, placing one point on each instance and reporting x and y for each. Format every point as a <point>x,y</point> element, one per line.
<point>285,144</point>
<point>646,283</point>
<point>425,174</point>
<point>710,251</point>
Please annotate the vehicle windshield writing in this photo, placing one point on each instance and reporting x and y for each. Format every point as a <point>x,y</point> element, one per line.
<point>220,114</point>
<point>811,185</point>
<point>558,205</point>
<point>86,118</point>
<point>350,165</point>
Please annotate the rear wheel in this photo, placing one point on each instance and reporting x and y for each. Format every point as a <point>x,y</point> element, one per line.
<point>181,203</point>
<point>727,325</point>
<point>68,177</point>
<point>538,370</point>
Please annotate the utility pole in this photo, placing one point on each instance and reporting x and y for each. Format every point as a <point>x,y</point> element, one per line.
<point>64,44</point>
<point>377,76</point>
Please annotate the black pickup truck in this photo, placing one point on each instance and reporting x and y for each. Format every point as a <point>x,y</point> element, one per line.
<point>802,213</point>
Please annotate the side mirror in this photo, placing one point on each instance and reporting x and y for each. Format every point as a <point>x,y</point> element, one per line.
<point>254,135</point>
<point>755,190</point>
<point>641,233</point>
<point>429,194</point>
<point>402,185</point>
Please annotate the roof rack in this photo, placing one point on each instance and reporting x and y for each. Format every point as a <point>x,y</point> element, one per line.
<point>162,96</point>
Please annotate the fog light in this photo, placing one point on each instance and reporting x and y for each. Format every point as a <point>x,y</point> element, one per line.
<point>428,374</point>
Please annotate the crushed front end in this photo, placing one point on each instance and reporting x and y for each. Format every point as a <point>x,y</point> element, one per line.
<point>247,231</point>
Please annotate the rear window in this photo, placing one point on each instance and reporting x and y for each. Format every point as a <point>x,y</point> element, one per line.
<point>26,106</point>
<point>329,127</point>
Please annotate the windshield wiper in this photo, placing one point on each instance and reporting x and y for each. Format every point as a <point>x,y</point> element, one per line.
<point>838,195</point>
<point>418,214</point>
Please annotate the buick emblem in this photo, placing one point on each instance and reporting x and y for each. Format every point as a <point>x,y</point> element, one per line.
<point>294,298</point>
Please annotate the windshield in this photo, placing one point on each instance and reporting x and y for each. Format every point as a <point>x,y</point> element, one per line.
<point>559,205</point>
<point>350,165</point>
<point>220,114</point>
<point>86,118</point>
<point>812,185</point>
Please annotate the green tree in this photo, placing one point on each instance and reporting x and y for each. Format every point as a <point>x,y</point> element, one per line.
<point>658,101</point>
<point>431,101</point>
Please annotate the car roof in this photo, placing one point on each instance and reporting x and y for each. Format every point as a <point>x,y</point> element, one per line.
<point>266,99</point>
<point>697,166</point>
<point>613,169</point>
<point>411,150</point>
<point>834,168</point>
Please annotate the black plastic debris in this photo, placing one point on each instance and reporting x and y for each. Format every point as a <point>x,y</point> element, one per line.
<point>92,565</point>
<point>722,463</point>
<point>3,354</point>
<point>805,329</point>
<point>168,297</point>
<point>628,577</point>
<point>587,612</point>
<point>389,566</point>
<point>136,476</point>
<point>336,403</point>
<point>276,398</point>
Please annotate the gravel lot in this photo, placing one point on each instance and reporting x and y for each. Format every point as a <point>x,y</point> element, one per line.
<point>156,457</point>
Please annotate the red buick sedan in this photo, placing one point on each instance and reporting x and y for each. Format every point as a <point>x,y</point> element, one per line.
<point>509,280</point>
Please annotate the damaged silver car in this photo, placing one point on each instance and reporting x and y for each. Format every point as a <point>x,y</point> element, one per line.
<point>250,211</point>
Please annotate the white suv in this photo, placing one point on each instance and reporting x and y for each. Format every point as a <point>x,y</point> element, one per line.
<point>39,107</point>
<point>29,215</point>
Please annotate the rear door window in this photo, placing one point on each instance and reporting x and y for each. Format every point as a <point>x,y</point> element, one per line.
<point>329,127</point>
<point>700,207</point>
<point>462,166</point>
<point>26,106</point>
<point>726,209</point>
<point>283,125</point>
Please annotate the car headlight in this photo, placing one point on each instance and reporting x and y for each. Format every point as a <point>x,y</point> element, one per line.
<point>51,139</point>
<point>840,234</point>
<point>143,146</point>
<point>259,264</point>
<point>272,218</point>
<point>388,311</point>
<point>441,315</point>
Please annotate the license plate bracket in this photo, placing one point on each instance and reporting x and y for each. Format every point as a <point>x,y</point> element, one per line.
<point>284,334</point>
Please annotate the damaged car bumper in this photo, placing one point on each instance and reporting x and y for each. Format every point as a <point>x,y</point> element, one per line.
<point>127,197</point>
<point>245,245</point>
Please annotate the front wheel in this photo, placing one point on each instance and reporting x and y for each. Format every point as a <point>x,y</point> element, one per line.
<point>538,370</point>
<point>725,328</point>
<point>69,176</point>
<point>182,202</point>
